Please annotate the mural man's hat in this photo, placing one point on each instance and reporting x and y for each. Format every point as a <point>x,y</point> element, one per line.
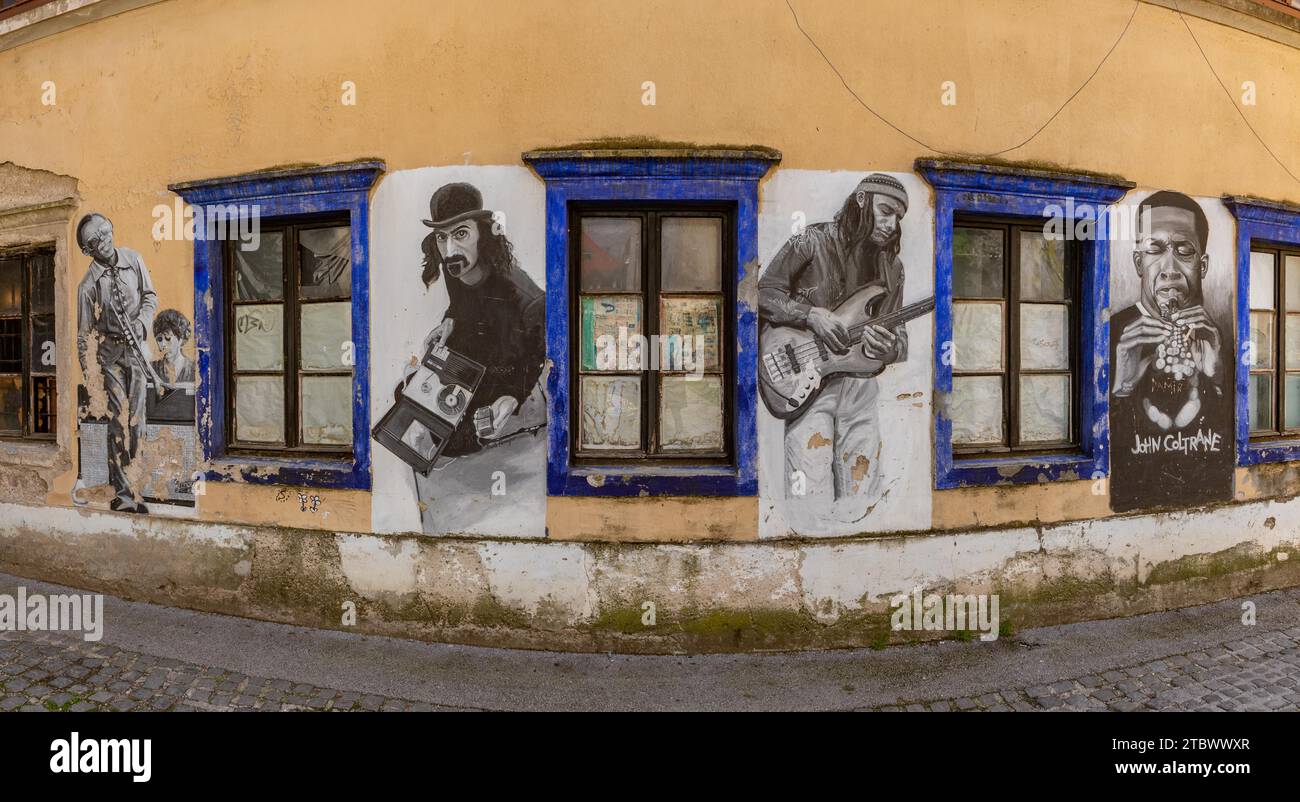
<point>887,185</point>
<point>453,203</point>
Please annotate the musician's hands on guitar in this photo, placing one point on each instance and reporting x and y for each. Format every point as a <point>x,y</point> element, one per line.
<point>830,330</point>
<point>879,343</point>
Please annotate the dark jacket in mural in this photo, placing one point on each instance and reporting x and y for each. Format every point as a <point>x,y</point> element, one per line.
<point>500,323</point>
<point>1177,466</point>
<point>814,268</point>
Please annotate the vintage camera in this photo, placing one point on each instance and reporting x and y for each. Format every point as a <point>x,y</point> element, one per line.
<point>430,406</point>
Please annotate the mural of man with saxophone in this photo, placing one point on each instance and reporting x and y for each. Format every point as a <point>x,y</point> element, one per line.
<point>115,309</point>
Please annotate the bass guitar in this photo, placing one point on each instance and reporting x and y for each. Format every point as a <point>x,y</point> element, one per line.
<point>795,362</point>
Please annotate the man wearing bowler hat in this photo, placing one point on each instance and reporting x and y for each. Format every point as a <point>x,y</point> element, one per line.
<point>497,315</point>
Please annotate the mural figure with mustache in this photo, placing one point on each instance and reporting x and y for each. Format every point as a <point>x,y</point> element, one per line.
<point>496,316</point>
<point>1171,420</point>
<point>835,444</point>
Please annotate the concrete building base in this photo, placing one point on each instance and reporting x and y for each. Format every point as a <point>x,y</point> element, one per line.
<point>658,598</point>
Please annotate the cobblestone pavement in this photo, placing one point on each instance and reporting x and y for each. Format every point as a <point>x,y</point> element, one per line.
<point>1260,672</point>
<point>52,672</point>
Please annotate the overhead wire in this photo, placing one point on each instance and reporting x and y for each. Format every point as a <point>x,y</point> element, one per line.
<point>942,151</point>
<point>1124,32</point>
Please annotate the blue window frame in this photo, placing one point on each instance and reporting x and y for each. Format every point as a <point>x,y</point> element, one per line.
<point>971,190</point>
<point>729,177</point>
<point>339,188</point>
<point>1260,223</point>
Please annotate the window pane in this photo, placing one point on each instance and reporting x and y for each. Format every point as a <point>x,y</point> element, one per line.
<point>325,329</point>
<point>259,409</point>
<point>1293,342</point>
<point>43,356</point>
<point>1292,398</point>
<point>11,286</point>
<point>11,404</point>
<point>1260,402</point>
<point>1042,268</point>
<point>45,405</point>
<point>259,337</point>
<point>977,336</point>
<point>1044,337</point>
<point>11,345</point>
<point>1292,283</point>
<point>327,410</point>
<point>611,412</point>
<point>977,263</point>
<point>690,413</point>
<point>41,267</point>
<point>691,329</point>
<point>259,274</point>
<point>325,262</point>
<point>1261,337</point>
<point>1261,280</point>
<point>609,324</point>
<point>1044,409</point>
<point>611,254</point>
<point>691,254</point>
<point>976,409</point>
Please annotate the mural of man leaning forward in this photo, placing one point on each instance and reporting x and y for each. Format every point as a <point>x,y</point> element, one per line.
<point>115,308</point>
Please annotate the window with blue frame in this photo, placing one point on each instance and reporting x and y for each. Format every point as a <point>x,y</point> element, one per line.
<point>655,367</point>
<point>1015,339</point>
<point>282,324</point>
<point>1021,342</point>
<point>653,245</point>
<point>1268,307</point>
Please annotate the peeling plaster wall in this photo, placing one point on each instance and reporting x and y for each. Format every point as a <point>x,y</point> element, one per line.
<point>705,597</point>
<point>34,209</point>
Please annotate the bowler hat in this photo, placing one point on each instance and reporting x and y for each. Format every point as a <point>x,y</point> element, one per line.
<point>453,203</point>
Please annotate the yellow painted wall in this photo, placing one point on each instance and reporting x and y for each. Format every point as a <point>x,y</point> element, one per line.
<point>190,89</point>
<point>197,88</point>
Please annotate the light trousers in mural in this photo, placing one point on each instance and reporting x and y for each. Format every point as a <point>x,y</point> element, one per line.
<point>125,386</point>
<point>836,442</point>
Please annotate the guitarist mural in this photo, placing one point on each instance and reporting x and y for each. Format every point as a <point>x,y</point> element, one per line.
<point>832,315</point>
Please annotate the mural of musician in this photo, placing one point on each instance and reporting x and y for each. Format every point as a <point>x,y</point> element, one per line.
<point>811,298</point>
<point>115,310</point>
<point>497,315</point>
<point>1171,360</point>
<point>476,386</point>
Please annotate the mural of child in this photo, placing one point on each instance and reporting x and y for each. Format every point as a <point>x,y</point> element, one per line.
<point>175,370</point>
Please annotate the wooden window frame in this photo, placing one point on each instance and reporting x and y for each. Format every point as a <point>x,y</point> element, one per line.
<point>26,414</point>
<point>652,216</point>
<point>22,7</point>
<point>293,372</point>
<point>1011,372</point>
<point>1278,371</point>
